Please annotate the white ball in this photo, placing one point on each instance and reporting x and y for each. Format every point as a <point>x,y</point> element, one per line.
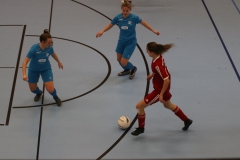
<point>124,122</point>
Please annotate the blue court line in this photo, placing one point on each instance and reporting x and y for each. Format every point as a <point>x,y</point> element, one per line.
<point>236,6</point>
<point>224,46</point>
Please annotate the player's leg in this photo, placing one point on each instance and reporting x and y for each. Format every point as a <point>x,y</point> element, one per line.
<point>178,112</point>
<point>119,51</point>
<point>127,53</point>
<point>141,117</point>
<point>47,77</point>
<point>148,100</point>
<point>32,83</point>
<point>125,71</point>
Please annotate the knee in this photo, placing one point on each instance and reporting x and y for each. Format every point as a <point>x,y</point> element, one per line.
<point>138,107</point>
<point>124,63</point>
<point>50,89</point>
<point>119,60</point>
<point>32,87</point>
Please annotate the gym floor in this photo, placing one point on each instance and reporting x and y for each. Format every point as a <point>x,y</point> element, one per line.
<point>204,65</point>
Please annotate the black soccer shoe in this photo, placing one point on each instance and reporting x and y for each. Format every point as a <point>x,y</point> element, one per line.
<point>187,123</point>
<point>125,72</point>
<point>138,131</point>
<point>37,97</point>
<point>58,101</point>
<point>132,74</point>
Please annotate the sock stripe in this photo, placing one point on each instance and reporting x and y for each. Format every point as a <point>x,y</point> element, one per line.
<point>176,110</point>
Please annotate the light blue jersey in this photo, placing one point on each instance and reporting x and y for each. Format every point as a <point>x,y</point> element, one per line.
<point>39,58</point>
<point>127,26</point>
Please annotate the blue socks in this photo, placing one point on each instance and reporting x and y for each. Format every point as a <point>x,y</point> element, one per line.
<point>129,66</point>
<point>122,66</point>
<point>54,93</point>
<point>37,91</point>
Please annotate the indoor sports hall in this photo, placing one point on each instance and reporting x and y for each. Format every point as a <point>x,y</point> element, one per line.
<point>204,67</point>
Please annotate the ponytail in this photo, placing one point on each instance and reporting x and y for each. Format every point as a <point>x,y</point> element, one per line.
<point>159,48</point>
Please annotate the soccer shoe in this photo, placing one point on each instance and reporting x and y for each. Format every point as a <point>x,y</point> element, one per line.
<point>187,123</point>
<point>58,101</point>
<point>37,97</point>
<point>132,74</point>
<point>138,131</point>
<point>125,72</point>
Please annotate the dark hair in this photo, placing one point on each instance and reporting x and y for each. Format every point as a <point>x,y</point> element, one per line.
<point>127,4</point>
<point>159,48</point>
<point>45,35</point>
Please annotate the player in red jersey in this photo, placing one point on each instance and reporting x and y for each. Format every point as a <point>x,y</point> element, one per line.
<point>161,84</point>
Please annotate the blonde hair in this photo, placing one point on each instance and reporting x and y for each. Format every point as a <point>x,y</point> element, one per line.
<point>126,4</point>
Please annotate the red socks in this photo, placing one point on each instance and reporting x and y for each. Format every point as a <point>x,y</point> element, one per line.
<point>141,121</point>
<point>178,112</point>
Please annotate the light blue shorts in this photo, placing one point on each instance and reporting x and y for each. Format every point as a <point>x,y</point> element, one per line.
<point>126,48</point>
<point>33,76</point>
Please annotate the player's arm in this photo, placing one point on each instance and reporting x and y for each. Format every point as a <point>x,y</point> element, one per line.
<point>149,77</point>
<point>165,85</point>
<point>24,66</point>
<point>164,88</point>
<point>145,24</point>
<point>60,65</point>
<point>100,33</point>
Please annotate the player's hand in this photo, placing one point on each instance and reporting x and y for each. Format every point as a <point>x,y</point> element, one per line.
<point>156,32</point>
<point>161,98</point>
<point>25,78</point>
<point>99,34</point>
<point>149,77</point>
<point>60,65</point>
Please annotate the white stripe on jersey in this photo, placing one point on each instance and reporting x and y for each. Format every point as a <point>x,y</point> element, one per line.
<point>158,70</point>
<point>156,59</point>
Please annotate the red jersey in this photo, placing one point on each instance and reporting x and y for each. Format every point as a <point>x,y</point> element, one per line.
<point>160,72</point>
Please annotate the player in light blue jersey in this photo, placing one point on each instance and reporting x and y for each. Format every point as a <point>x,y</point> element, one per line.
<point>127,41</point>
<point>39,65</point>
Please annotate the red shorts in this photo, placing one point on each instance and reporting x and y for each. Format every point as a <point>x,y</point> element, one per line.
<point>153,97</point>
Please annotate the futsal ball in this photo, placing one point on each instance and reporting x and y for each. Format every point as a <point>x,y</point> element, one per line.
<point>124,122</point>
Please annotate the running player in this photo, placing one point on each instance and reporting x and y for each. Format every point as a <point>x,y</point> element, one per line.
<point>126,22</point>
<point>39,65</point>
<point>161,84</point>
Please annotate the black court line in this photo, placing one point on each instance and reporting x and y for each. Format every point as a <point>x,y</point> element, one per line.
<point>9,25</point>
<point>43,90</point>
<point>40,128</point>
<point>151,159</point>
<point>135,118</point>
<point>93,10</point>
<point>147,88</point>
<point>15,77</point>
<point>105,79</point>
<point>236,6</point>
<point>223,44</point>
